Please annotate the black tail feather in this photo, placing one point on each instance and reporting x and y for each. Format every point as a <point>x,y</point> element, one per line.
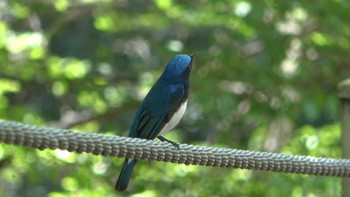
<point>125,175</point>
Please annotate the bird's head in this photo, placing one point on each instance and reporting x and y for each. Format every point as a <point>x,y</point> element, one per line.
<point>180,65</point>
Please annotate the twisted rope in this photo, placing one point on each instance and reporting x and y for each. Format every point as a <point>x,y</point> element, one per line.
<point>107,145</point>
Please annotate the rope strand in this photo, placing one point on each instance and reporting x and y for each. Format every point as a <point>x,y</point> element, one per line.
<point>115,146</point>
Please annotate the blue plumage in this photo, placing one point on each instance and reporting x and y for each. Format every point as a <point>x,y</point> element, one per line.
<point>161,109</point>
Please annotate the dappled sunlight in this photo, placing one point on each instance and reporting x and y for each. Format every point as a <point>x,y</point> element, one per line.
<point>264,78</point>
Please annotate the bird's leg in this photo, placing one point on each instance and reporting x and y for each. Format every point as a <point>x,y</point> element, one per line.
<point>163,139</point>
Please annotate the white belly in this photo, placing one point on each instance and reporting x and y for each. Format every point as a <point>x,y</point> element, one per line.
<point>175,119</point>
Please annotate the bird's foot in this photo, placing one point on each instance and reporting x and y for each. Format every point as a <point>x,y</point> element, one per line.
<point>163,139</point>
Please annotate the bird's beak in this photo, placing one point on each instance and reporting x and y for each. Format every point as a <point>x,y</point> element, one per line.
<point>192,56</point>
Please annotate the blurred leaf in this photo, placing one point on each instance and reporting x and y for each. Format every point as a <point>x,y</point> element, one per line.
<point>265,75</point>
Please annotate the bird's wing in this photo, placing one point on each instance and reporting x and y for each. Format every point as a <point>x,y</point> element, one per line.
<point>153,115</point>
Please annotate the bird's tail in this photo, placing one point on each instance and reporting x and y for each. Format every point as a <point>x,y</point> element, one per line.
<point>125,175</point>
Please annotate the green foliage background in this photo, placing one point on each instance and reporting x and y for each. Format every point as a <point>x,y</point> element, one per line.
<point>265,78</point>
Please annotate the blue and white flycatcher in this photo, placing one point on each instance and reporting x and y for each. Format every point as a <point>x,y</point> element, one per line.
<point>161,109</point>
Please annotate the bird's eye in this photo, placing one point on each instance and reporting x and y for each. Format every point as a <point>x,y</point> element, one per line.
<point>189,67</point>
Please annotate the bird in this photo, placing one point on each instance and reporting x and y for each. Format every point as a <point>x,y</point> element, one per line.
<point>161,109</point>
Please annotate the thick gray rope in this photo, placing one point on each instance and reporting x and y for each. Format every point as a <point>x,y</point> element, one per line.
<point>107,145</point>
